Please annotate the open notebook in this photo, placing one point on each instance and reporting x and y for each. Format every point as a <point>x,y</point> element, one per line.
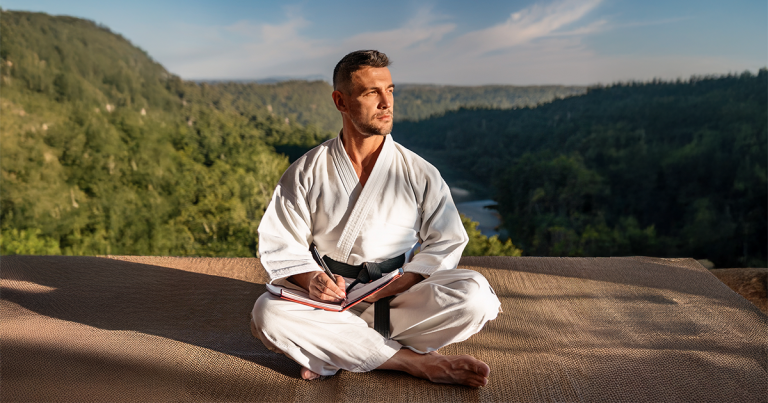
<point>357,294</point>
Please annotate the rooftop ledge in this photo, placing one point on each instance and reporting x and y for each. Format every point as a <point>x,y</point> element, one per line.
<point>136,328</point>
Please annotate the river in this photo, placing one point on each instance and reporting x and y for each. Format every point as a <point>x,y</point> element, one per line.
<point>489,219</point>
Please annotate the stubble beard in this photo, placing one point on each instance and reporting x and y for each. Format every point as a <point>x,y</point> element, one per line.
<point>370,129</point>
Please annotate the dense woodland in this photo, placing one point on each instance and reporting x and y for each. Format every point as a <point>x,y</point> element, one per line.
<point>105,152</point>
<point>670,169</point>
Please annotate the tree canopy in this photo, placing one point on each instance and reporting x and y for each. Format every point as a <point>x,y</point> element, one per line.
<point>659,168</point>
<point>106,152</point>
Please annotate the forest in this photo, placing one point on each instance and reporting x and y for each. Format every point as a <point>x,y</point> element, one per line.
<point>103,151</point>
<point>668,169</point>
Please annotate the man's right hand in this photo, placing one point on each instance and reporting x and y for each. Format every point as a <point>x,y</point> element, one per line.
<point>320,286</point>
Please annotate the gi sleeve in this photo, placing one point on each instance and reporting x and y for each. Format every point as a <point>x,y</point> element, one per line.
<point>442,235</point>
<point>285,235</point>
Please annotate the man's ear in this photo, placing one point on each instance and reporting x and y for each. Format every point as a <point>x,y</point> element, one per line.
<point>339,101</point>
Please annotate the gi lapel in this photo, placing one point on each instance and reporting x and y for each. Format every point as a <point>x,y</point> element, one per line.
<point>365,201</point>
<point>344,166</point>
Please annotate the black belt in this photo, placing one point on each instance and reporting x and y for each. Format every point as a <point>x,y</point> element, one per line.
<point>365,273</point>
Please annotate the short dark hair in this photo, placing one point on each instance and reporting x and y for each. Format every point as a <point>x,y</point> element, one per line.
<point>352,62</point>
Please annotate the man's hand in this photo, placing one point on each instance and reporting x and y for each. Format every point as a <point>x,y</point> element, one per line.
<point>320,286</point>
<point>405,282</point>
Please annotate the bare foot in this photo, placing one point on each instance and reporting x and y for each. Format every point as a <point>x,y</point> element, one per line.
<point>438,368</point>
<point>308,375</point>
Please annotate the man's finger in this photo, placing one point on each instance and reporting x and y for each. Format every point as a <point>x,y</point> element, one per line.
<point>341,284</point>
<point>332,288</point>
<point>326,289</point>
<point>322,293</point>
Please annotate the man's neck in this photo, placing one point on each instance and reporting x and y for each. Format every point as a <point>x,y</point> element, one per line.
<point>363,151</point>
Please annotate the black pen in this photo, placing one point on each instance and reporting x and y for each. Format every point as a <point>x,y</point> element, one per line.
<point>321,262</point>
<point>316,256</point>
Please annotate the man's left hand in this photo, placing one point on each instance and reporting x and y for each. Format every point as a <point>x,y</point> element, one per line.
<point>405,282</point>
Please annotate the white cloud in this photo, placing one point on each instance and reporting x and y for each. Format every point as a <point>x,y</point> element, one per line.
<point>537,36</point>
<point>524,27</point>
<point>540,44</point>
<point>419,46</point>
<point>413,37</point>
<point>243,50</point>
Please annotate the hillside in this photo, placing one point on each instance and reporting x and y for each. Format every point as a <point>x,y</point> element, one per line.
<point>308,103</point>
<point>659,168</point>
<point>105,152</point>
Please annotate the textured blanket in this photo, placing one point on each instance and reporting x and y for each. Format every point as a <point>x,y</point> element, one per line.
<point>573,329</point>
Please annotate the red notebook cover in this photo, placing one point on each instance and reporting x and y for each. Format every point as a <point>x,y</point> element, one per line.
<point>358,294</point>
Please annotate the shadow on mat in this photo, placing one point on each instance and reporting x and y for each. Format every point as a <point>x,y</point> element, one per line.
<point>204,310</point>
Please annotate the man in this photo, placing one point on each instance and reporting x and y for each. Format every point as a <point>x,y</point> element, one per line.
<point>364,200</point>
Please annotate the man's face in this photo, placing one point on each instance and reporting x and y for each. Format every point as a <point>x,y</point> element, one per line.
<point>370,101</point>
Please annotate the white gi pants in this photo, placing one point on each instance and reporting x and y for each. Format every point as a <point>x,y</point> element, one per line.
<point>447,307</point>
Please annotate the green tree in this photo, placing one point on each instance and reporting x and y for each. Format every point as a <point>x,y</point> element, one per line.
<point>27,242</point>
<point>481,245</point>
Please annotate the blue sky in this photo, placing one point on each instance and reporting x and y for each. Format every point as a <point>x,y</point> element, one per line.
<point>442,42</point>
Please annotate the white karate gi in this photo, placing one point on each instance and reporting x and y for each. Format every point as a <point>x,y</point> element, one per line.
<point>405,201</point>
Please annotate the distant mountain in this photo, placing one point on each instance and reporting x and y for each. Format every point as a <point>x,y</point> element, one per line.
<point>420,101</point>
<point>310,103</point>
<point>279,79</point>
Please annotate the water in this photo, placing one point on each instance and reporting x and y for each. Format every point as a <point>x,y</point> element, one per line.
<point>476,211</point>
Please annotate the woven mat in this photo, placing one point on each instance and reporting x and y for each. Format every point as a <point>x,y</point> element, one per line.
<point>573,329</point>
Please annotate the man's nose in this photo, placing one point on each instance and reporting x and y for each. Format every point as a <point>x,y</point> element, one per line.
<point>386,101</point>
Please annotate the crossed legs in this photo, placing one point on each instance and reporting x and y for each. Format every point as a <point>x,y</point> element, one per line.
<point>445,308</point>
